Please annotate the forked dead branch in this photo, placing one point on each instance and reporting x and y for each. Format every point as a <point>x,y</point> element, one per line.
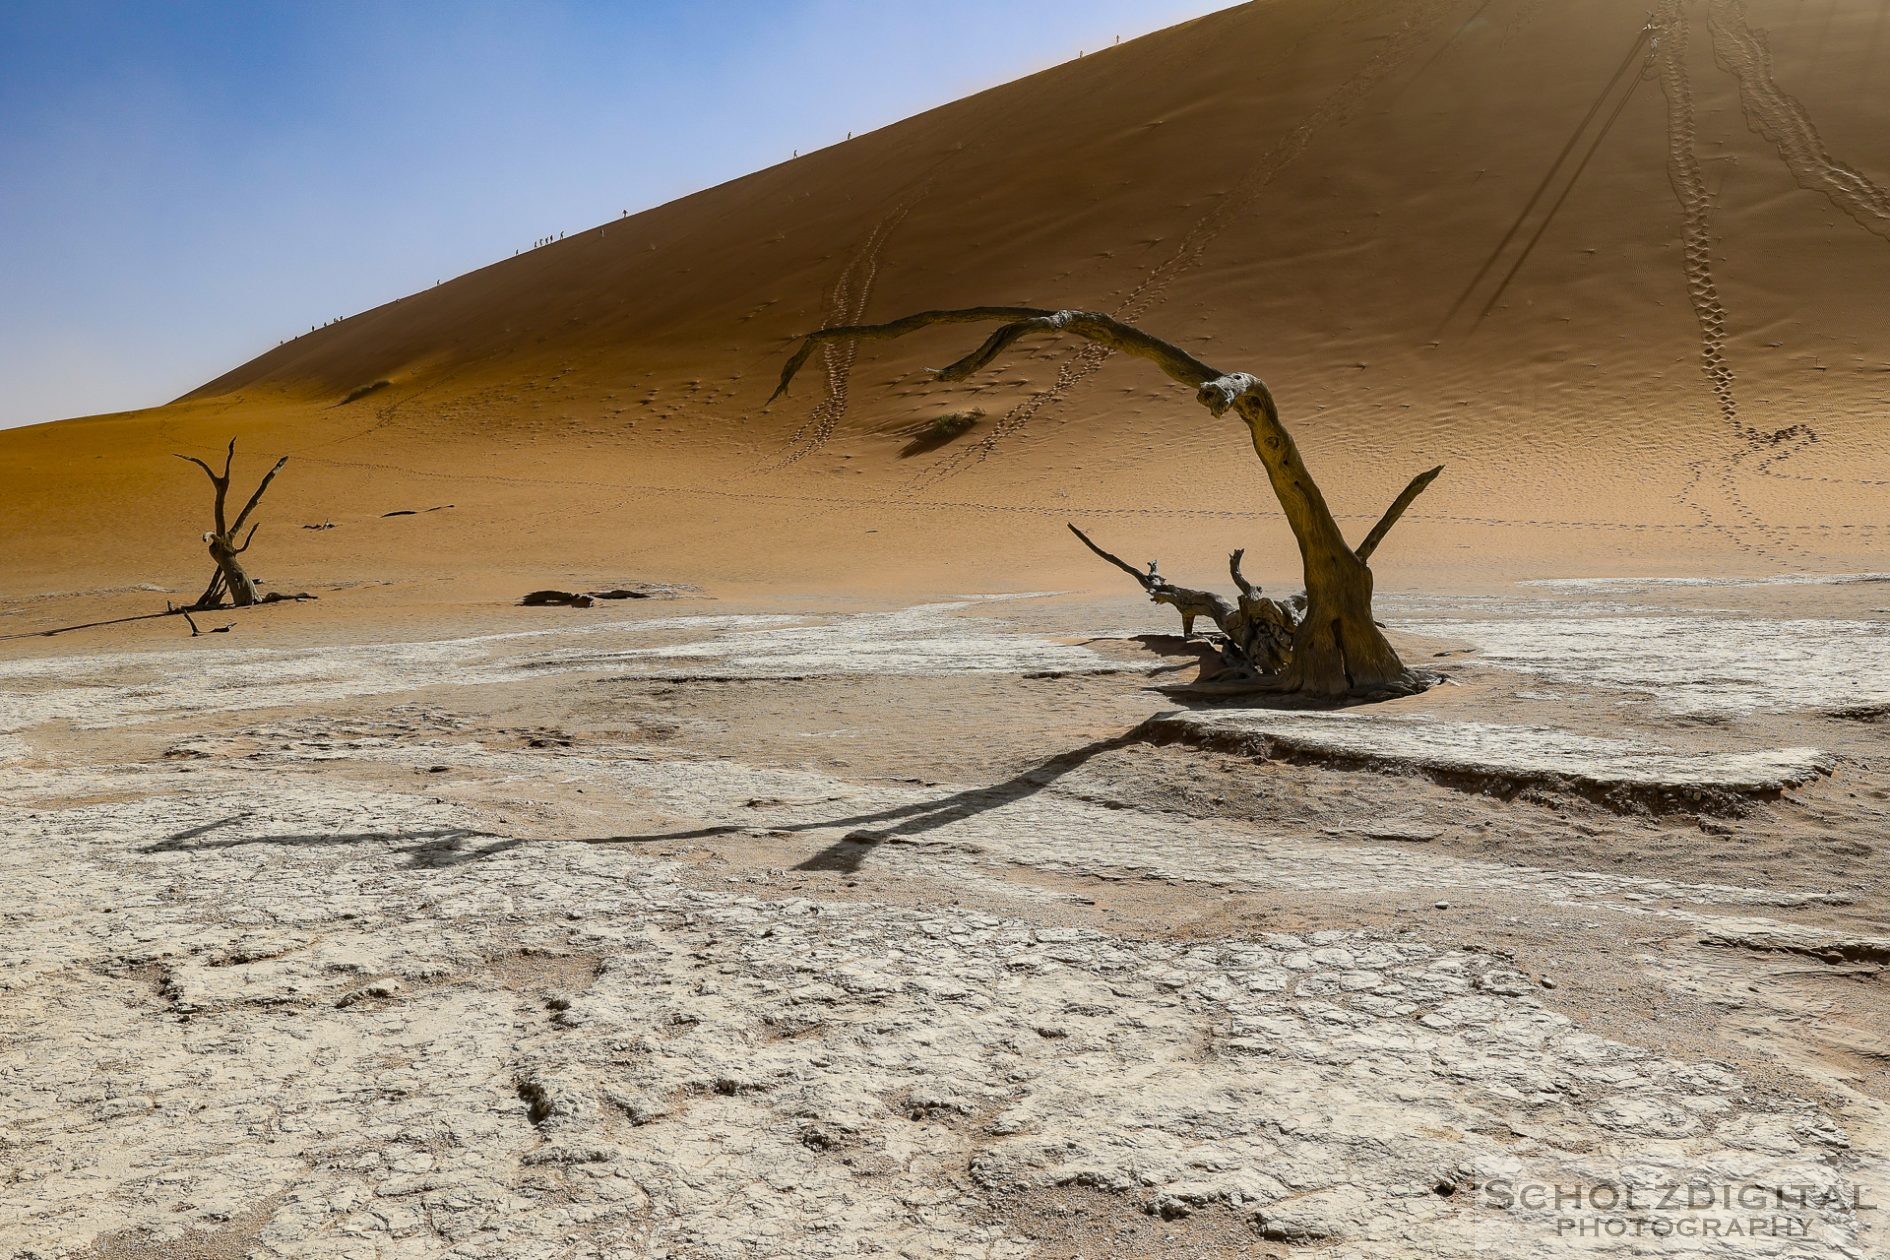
<point>231,579</point>
<point>1257,631</point>
<point>1323,643</point>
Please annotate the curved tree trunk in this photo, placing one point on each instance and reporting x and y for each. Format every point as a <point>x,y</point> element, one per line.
<point>1338,649</point>
<point>241,588</point>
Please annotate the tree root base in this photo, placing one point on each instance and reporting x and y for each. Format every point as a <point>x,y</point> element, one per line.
<point>1276,693</point>
<point>273,597</point>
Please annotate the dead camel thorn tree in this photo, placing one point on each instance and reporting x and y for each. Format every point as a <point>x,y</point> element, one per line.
<point>230,577</point>
<point>1324,644</point>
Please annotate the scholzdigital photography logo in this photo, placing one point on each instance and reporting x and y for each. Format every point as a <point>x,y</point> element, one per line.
<point>1685,1209</point>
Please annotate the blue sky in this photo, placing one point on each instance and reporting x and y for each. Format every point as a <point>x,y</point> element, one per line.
<point>183,184</point>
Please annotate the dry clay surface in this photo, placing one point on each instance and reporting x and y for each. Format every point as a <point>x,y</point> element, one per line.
<point>710,933</point>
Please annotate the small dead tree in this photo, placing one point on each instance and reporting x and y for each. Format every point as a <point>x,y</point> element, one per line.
<point>1324,643</point>
<point>1258,631</point>
<point>230,578</point>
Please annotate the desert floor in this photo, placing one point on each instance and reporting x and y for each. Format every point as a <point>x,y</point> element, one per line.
<point>698,927</point>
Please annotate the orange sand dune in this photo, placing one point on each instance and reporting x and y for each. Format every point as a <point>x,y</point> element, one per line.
<point>1627,283</point>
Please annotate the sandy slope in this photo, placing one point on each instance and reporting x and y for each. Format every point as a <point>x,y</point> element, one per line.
<point>1626,284</point>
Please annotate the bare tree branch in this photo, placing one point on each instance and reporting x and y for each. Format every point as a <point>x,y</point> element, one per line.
<point>1089,325</point>
<point>1247,589</point>
<point>221,484</point>
<point>1189,602</point>
<point>897,328</point>
<point>257,497</point>
<point>1146,579</point>
<point>1411,492</point>
<point>207,470</point>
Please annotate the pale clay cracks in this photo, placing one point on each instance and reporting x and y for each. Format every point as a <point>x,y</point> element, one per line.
<point>256,987</point>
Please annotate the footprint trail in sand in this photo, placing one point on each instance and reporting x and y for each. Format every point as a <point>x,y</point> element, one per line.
<point>1689,186</point>
<point>845,305</point>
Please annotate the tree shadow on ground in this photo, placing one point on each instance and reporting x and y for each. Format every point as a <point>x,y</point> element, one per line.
<point>434,847</point>
<point>91,625</point>
<point>447,846</point>
<point>847,854</point>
